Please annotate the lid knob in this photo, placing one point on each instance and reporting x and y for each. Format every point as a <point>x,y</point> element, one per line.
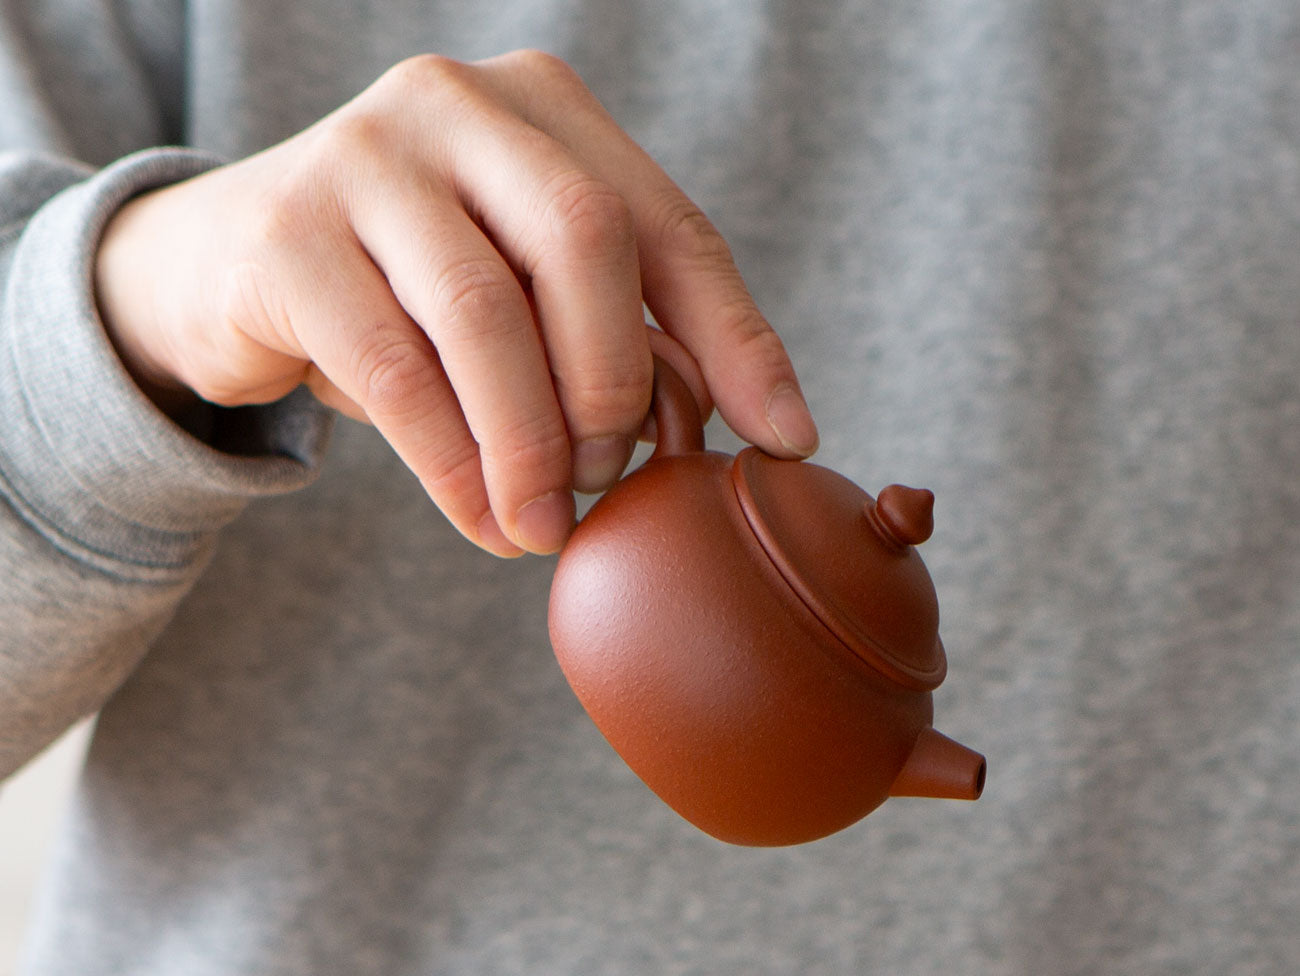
<point>903,516</point>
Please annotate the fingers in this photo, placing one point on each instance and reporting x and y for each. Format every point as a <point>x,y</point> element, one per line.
<point>697,295</point>
<point>518,250</point>
<point>689,278</point>
<point>374,362</point>
<point>470,308</point>
<point>569,238</point>
<point>465,264</point>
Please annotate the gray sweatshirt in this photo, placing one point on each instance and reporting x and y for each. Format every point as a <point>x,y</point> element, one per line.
<point>1041,257</point>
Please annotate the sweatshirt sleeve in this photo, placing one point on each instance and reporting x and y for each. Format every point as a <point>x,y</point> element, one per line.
<point>108,510</point>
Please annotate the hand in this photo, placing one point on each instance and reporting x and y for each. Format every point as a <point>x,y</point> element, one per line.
<point>460,256</point>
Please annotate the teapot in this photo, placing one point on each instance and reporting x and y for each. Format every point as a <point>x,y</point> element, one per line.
<point>757,637</point>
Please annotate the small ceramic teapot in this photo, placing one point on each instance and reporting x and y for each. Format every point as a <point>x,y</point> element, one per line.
<point>757,638</point>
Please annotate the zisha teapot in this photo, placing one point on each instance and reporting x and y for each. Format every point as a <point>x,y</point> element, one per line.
<point>757,638</point>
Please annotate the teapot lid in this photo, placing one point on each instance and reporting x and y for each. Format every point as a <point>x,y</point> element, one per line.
<point>851,559</point>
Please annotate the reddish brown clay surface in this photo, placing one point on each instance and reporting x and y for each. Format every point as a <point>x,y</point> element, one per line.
<point>757,638</point>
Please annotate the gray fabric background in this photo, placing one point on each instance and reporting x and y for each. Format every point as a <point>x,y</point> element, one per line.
<point>1042,256</point>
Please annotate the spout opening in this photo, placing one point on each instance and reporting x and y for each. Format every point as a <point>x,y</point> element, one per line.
<point>940,767</point>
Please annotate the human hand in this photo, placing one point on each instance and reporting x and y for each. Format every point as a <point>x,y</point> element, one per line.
<point>460,256</point>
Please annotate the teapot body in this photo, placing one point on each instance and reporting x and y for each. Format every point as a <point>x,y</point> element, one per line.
<point>709,674</point>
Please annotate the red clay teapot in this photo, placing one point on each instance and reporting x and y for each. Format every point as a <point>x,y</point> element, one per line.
<point>757,638</point>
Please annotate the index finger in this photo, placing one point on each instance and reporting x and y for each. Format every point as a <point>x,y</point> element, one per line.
<point>696,292</point>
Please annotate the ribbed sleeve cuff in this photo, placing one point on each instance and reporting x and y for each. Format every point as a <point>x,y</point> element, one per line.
<point>89,460</point>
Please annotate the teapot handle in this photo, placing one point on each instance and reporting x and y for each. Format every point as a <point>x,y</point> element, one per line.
<point>677,416</point>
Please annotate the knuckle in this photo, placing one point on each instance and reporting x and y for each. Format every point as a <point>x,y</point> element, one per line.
<point>686,232</point>
<point>440,84</point>
<point>388,373</point>
<point>353,150</point>
<point>590,216</point>
<point>358,136</point>
<point>421,71</point>
<point>611,395</point>
<point>470,298</point>
<point>748,334</point>
<point>453,474</point>
<point>544,66</point>
<point>532,442</point>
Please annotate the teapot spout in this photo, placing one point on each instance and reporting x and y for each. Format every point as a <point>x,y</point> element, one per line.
<point>940,767</point>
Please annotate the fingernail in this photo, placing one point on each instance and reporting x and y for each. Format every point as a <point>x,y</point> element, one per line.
<point>790,419</point>
<point>598,461</point>
<point>544,523</point>
<point>491,538</point>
